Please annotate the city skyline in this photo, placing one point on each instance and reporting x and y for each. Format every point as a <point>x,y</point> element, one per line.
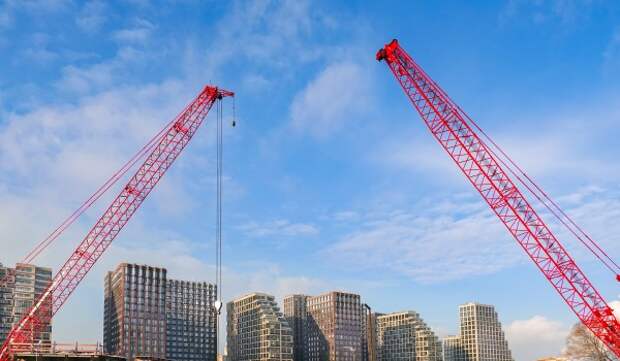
<point>331,179</point>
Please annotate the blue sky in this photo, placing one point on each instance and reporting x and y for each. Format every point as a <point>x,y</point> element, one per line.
<point>331,179</point>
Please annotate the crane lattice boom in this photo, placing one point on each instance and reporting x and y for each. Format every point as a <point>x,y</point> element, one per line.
<point>105,230</point>
<point>448,124</point>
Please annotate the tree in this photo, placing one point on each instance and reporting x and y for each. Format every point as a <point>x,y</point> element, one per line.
<point>582,345</point>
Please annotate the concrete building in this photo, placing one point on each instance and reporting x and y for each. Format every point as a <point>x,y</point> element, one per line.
<point>146,315</point>
<point>257,330</point>
<point>296,315</point>
<point>405,336</point>
<point>452,349</point>
<point>26,283</point>
<point>480,336</point>
<point>334,330</point>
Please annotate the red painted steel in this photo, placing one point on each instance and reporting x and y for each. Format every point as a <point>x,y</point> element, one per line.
<point>449,126</point>
<point>105,230</point>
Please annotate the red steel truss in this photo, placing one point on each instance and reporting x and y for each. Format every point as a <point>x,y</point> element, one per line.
<point>479,164</point>
<point>170,145</point>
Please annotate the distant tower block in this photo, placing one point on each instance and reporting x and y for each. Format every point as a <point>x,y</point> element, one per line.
<point>405,336</point>
<point>296,314</point>
<point>148,315</point>
<point>334,327</point>
<point>481,337</point>
<point>257,330</point>
<point>24,284</point>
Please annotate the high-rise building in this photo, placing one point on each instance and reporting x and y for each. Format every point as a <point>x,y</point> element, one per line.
<point>257,330</point>
<point>26,284</point>
<point>334,330</point>
<point>134,312</point>
<point>147,315</point>
<point>6,301</point>
<point>369,334</point>
<point>480,336</point>
<point>404,336</point>
<point>191,321</point>
<point>296,315</point>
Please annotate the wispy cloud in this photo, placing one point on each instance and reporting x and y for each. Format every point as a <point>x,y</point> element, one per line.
<point>458,237</point>
<point>565,144</point>
<point>564,11</point>
<point>278,228</point>
<point>611,55</point>
<point>92,16</point>
<point>433,243</point>
<point>336,97</point>
<point>139,32</point>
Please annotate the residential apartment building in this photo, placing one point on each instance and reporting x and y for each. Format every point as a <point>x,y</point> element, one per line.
<point>191,321</point>
<point>405,336</point>
<point>25,284</point>
<point>148,315</point>
<point>6,301</point>
<point>257,330</point>
<point>480,336</point>
<point>452,349</point>
<point>296,315</point>
<point>334,330</point>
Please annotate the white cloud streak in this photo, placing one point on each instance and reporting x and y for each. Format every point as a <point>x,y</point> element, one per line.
<point>536,338</point>
<point>278,228</point>
<point>335,98</point>
<point>451,240</point>
<point>459,237</point>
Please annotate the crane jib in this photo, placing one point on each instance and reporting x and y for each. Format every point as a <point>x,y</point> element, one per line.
<point>486,171</point>
<point>161,157</point>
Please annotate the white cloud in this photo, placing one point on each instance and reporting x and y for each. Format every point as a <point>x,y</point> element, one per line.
<point>460,238</point>
<point>339,95</point>
<point>281,227</point>
<point>611,55</point>
<point>138,33</point>
<point>615,305</point>
<point>536,338</point>
<point>563,11</point>
<point>562,146</point>
<point>107,74</point>
<point>346,216</point>
<point>267,32</point>
<point>92,16</point>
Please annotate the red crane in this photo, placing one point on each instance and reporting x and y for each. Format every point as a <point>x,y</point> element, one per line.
<point>164,150</point>
<point>485,168</point>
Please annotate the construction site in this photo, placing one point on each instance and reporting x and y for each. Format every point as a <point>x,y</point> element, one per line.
<point>538,223</point>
